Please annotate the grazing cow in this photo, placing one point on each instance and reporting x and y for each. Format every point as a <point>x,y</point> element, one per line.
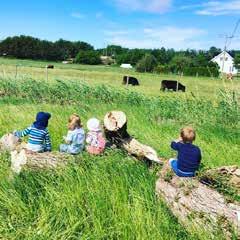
<point>50,66</point>
<point>130,80</point>
<point>172,85</point>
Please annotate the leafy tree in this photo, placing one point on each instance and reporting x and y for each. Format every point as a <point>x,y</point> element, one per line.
<point>147,63</point>
<point>213,52</point>
<point>34,48</point>
<point>179,62</point>
<point>237,61</point>
<point>88,57</point>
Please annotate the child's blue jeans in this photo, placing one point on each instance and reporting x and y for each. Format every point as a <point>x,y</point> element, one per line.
<point>178,172</point>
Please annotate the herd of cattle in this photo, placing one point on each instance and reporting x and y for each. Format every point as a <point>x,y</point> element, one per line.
<point>172,85</point>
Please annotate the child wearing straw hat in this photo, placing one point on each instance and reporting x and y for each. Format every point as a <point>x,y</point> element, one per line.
<point>95,140</point>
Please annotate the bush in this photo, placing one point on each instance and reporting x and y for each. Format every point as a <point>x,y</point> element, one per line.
<point>88,57</point>
<point>162,69</point>
<point>201,71</point>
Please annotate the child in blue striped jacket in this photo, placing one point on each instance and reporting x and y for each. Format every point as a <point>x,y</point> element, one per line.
<point>39,138</point>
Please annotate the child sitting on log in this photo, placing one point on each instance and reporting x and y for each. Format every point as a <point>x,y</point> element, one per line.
<point>95,140</point>
<point>75,137</point>
<point>39,138</point>
<point>189,155</point>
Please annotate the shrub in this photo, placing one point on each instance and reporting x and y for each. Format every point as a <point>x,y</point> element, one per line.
<point>88,57</point>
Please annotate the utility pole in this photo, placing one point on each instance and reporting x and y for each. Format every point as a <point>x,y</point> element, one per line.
<point>227,44</point>
<point>224,54</point>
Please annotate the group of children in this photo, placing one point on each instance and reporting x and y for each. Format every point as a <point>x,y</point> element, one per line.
<point>186,164</point>
<point>75,140</point>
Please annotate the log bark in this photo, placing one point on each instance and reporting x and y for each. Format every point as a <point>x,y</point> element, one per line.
<point>24,159</point>
<point>198,206</point>
<point>115,125</point>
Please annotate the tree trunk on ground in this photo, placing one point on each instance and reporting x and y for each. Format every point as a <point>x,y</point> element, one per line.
<point>38,161</point>
<point>24,159</point>
<point>115,125</point>
<point>198,206</point>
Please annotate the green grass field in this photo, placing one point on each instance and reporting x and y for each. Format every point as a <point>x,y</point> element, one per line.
<point>111,196</point>
<point>112,76</point>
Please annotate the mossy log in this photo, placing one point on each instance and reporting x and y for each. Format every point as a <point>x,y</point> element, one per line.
<point>198,206</point>
<point>115,126</point>
<point>24,159</point>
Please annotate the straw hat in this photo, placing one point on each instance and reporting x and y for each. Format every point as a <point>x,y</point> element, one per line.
<point>93,124</point>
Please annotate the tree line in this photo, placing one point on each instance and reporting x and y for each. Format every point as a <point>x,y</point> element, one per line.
<point>188,62</point>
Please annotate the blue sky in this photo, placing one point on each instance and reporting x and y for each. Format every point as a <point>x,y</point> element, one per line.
<point>130,23</point>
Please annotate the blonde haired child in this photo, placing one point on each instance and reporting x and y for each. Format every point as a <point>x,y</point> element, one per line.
<point>189,155</point>
<point>95,140</point>
<point>75,136</point>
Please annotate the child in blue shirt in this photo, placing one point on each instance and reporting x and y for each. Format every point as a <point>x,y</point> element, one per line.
<point>75,137</point>
<point>189,155</point>
<point>39,138</point>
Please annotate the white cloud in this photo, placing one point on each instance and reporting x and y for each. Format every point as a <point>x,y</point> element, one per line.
<point>99,15</point>
<point>115,33</point>
<point>216,8</point>
<point>167,36</point>
<point>152,6</point>
<point>78,15</point>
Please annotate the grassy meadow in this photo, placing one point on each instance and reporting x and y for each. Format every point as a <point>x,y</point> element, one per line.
<point>110,196</point>
<point>112,76</point>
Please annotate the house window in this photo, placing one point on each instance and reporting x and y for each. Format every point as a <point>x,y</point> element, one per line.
<point>221,59</point>
<point>226,59</point>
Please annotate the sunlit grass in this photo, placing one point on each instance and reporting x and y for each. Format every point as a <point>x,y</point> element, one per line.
<point>111,196</point>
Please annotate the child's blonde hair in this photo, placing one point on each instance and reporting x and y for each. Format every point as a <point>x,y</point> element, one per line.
<point>74,122</point>
<point>188,134</point>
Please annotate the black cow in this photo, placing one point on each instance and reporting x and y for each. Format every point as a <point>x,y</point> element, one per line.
<point>130,80</point>
<point>50,66</point>
<point>172,85</point>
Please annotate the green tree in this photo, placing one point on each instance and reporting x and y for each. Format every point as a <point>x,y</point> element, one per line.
<point>178,63</point>
<point>146,64</point>
<point>90,57</point>
<point>237,61</point>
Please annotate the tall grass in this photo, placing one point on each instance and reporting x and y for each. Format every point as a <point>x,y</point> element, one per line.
<point>112,196</point>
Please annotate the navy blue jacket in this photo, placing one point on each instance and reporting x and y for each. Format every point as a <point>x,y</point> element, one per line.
<point>189,156</point>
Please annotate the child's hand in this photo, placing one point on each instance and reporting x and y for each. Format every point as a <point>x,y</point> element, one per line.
<point>180,139</point>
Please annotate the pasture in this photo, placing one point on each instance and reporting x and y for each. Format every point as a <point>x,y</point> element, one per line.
<point>112,76</point>
<point>111,196</point>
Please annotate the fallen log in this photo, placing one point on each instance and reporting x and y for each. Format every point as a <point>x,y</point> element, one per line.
<point>115,126</point>
<point>24,159</point>
<point>10,142</point>
<point>198,206</point>
<point>38,161</point>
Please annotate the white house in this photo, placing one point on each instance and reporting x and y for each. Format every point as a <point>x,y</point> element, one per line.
<point>225,62</point>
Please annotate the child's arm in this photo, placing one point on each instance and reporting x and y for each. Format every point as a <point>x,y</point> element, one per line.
<point>68,138</point>
<point>175,144</point>
<point>48,142</point>
<point>89,139</point>
<point>22,133</point>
